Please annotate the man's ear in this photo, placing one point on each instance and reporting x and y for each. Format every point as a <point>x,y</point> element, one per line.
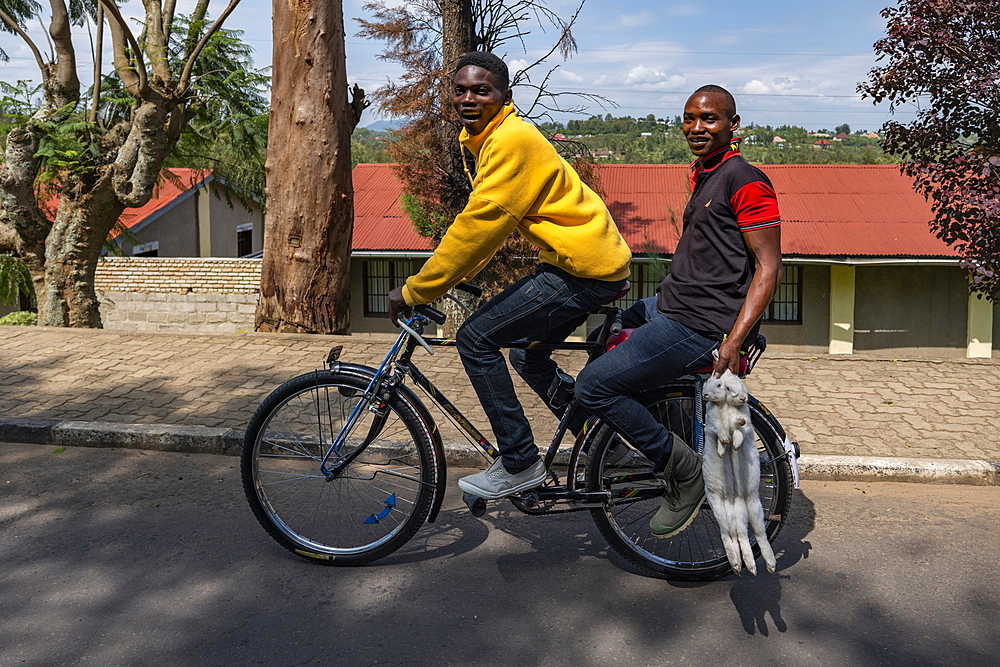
<point>736,122</point>
<point>508,96</point>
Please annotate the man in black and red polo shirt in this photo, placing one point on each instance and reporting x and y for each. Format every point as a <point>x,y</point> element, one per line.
<point>725,270</point>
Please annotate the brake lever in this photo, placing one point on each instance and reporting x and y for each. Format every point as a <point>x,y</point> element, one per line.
<point>416,336</point>
<point>449,295</point>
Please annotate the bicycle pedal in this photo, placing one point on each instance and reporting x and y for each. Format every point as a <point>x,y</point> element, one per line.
<point>475,504</point>
<point>529,499</point>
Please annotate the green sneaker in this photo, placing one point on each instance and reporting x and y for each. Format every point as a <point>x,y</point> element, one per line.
<point>684,494</point>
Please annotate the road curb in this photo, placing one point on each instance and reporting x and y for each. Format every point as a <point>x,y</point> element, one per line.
<point>891,469</point>
<point>211,440</point>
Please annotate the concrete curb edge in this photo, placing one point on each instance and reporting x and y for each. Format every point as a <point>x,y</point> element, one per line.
<point>211,440</point>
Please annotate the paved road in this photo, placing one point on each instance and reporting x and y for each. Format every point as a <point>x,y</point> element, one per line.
<point>839,405</point>
<point>115,557</point>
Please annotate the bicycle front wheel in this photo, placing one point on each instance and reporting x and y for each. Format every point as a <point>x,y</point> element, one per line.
<point>696,553</point>
<point>366,511</point>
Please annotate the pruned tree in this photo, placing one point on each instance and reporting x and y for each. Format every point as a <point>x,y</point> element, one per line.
<point>305,279</point>
<point>943,57</point>
<point>98,160</point>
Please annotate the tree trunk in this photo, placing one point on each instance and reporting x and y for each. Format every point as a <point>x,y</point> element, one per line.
<point>72,251</point>
<point>305,279</point>
<point>457,39</point>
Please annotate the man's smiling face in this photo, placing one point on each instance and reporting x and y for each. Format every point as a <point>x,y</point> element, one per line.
<point>708,123</point>
<point>477,97</point>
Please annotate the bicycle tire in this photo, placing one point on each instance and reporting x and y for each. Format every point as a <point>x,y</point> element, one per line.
<point>369,510</point>
<point>697,553</point>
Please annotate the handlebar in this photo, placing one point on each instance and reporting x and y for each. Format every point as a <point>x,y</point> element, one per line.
<point>469,288</point>
<point>432,314</point>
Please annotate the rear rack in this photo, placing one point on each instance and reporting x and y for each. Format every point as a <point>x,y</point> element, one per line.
<point>754,351</point>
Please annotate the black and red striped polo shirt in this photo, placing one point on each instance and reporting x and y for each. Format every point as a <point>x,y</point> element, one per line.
<point>712,267</point>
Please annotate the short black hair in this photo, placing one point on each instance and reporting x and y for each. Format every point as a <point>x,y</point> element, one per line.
<point>488,62</point>
<point>730,100</point>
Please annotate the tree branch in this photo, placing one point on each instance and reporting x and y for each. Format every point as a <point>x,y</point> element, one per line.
<point>31,45</point>
<point>358,105</point>
<point>168,17</point>
<point>65,60</point>
<point>134,78</point>
<point>156,41</point>
<point>182,83</point>
<point>95,100</point>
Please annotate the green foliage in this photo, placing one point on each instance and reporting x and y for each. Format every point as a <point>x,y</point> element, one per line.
<point>15,280</point>
<point>433,225</point>
<point>368,146</point>
<point>20,100</point>
<point>22,318</point>
<point>228,117</point>
<point>68,146</point>
<point>943,57</point>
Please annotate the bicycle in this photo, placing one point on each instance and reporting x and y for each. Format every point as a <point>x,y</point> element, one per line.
<point>343,465</point>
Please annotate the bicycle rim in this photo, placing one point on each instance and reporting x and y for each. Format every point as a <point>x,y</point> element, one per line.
<point>697,553</point>
<point>366,511</point>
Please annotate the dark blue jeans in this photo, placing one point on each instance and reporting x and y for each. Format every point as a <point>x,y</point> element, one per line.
<point>658,352</point>
<point>547,305</point>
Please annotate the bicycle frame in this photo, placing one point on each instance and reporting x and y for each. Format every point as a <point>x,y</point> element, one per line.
<point>398,364</point>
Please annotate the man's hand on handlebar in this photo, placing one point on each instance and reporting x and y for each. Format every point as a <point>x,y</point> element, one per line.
<point>729,357</point>
<point>397,306</point>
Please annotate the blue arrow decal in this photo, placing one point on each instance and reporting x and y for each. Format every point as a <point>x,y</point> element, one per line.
<point>390,502</point>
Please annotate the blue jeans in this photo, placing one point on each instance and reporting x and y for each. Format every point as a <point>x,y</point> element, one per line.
<point>658,352</point>
<point>548,306</point>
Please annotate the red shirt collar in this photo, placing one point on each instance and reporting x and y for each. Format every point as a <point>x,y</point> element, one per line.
<point>714,160</point>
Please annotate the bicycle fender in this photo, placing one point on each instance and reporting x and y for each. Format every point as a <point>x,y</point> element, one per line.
<point>769,419</point>
<point>437,445</point>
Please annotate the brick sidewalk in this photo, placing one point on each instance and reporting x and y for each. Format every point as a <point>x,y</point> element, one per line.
<point>853,406</point>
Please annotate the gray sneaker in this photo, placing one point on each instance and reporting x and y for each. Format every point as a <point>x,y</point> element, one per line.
<point>496,482</point>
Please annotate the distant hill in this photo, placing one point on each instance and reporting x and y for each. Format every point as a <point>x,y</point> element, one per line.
<point>383,125</point>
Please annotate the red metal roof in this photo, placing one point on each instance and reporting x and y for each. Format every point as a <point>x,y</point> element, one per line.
<point>826,210</point>
<point>165,192</point>
<point>379,221</point>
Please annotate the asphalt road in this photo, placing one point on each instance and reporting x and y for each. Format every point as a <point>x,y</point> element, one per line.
<point>115,557</point>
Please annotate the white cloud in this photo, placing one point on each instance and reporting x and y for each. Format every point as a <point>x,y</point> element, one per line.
<point>516,65</point>
<point>567,75</point>
<point>637,20</point>
<point>778,85</point>
<point>646,77</point>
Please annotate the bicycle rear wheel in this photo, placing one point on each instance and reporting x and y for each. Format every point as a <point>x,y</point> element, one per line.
<point>697,553</point>
<point>369,509</point>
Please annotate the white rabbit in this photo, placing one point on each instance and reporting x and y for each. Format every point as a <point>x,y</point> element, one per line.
<point>732,471</point>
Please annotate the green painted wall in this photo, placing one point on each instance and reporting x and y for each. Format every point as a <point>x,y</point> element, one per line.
<point>911,311</point>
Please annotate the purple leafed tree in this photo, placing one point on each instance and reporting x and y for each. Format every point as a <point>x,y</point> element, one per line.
<point>943,57</point>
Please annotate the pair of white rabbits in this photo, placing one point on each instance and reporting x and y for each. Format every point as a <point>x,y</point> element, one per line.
<point>731,469</point>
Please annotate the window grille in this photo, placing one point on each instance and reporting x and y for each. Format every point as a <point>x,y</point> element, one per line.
<point>786,306</point>
<point>645,277</point>
<point>380,276</point>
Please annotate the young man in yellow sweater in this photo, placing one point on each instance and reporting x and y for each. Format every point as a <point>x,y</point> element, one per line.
<point>521,184</point>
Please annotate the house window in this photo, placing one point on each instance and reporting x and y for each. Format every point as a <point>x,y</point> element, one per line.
<point>380,276</point>
<point>786,307</point>
<point>151,249</point>
<point>244,239</point>
<point>645,277</point>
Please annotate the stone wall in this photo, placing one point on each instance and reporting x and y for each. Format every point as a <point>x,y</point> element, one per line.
<point>206,294</point>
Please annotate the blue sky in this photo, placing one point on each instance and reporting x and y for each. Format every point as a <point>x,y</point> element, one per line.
<point>786,62</point>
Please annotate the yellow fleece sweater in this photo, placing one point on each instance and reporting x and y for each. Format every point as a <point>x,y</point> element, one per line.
<point>522,183</point>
